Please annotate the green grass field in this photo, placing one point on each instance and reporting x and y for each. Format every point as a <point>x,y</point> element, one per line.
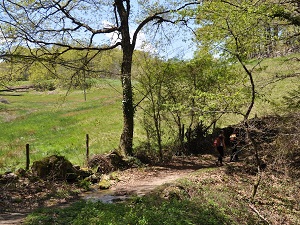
<point>56,123</point>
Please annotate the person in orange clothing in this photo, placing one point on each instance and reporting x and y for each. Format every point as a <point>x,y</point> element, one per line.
<point>220,146</point>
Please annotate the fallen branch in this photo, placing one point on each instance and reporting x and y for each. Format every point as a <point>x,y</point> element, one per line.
<point>256,211</point>
<point>21,88</point>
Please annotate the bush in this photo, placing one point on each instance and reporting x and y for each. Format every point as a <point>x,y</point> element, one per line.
<point>45,85</point>
<point>78,84</point>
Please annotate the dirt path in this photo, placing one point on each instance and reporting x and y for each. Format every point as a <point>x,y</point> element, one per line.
<point>12,218</point>
<point>141,181</point>
<point>133,182</point>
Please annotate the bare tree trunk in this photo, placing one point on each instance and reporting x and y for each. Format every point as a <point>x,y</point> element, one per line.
<point>248,134</point>
<point>255,186</point>
<point>157,121</point>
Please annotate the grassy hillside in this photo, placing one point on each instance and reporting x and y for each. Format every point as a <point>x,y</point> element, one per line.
<point>274,78</point>
<point>56,123</point>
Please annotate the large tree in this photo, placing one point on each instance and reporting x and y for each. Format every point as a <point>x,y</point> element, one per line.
<point>83,25</point>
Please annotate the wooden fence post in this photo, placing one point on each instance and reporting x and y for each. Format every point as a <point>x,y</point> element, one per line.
<point>27,157</point>
<point>87,148</point>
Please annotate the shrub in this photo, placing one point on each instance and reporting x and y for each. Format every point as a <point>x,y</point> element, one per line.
<point>45,85</point>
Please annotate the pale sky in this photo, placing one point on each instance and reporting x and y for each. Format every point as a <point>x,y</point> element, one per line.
<point>178,47</point>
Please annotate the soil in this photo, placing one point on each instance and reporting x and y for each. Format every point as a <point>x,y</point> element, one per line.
<point>22,197</point>
<point>139,181</point>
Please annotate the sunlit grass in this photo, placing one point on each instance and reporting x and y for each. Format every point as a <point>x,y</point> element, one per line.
<point>148,212</point>
<point>56,123</point>
<point>274,78</point>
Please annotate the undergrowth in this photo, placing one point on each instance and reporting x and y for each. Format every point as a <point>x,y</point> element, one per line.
<point>143,211</point>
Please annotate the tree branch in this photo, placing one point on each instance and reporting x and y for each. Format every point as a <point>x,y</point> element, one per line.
<point>158,16</point>
<point>257,212</point>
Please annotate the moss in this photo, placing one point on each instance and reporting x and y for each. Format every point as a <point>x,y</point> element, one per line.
<point>104,184</point>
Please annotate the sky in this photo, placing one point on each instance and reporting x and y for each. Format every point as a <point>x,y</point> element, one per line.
<point>177,48</point>
<point>174,41</point>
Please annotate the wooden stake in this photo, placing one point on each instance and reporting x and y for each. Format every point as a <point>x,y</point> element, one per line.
<point>87,149</point>
<point>27,157</point>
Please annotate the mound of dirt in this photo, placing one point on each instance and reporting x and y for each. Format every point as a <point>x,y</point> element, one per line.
<point>54,168</point>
